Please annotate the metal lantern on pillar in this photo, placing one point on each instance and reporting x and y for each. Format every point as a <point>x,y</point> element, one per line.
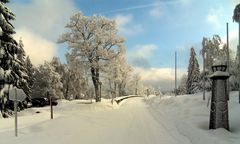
<point>219,100</point>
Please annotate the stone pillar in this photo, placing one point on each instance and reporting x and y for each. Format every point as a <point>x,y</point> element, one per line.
<point>219,101</point>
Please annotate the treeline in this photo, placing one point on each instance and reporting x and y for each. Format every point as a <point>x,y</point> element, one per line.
<point>95,66</point>
<point>212,49</point>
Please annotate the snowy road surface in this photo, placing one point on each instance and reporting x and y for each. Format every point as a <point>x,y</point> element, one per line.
<point>136,121</point>
<point>131,123</point>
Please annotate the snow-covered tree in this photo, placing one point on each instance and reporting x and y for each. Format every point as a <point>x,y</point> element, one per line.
<point>236,18</point>
<point>58,66</point>
<point>47,80</point>
<point>24,74</point>
<point>125,71</point>
<point>92,39</point>
<point>76,84</point>
<point>236,14</point>
<point>182,86</point>
<point>60,69</point>
<point>30,72</point>
<point>11,68</point>
<point>212,49</point>
<point>193,78</point>
<point>135,86</point>
<point>234,71</point>
<point>208,81</point>
<point>117,73</point>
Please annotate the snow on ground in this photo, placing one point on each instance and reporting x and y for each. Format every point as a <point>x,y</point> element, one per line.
<point>140,120</point>
<point>189,117</point>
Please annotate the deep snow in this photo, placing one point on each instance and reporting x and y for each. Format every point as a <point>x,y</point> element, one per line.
<point>144,120</point>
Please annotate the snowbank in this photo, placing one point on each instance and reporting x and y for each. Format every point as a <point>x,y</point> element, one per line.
<point>189,116</point>
<point>141,120</point>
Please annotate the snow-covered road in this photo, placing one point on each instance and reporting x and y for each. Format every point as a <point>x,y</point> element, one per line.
<point>131,123</point>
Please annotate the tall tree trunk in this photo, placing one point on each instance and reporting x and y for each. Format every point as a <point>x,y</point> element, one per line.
<point>111,91</point>
<point>123,89</point>
<point>115,89</point>
<point>67,84</point>
<point>120,89</point>
<point>136,88</point>
<point>95,79</point>
<point>66,92</point>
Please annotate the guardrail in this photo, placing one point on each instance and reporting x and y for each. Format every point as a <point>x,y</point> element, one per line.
<point>119,99</point>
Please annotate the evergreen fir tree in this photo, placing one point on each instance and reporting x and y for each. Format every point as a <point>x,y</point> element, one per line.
<point>11,68</point>
<point>23,82</point>
<point>182,86</point>
<point>30,71</point>
<point>192,84</point>
<point>59,68</point>
<point>30,81</point>
<point>47,80</point>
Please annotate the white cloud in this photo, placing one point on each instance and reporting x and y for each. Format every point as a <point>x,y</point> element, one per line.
<point>156,12</point>
<point>214,20</point>
<point>122,20</point>
<point>38,48</point>
<point>145,50</point>
<point>44,17</point>
<point>214,17</point>
<point>125,25</point>
<point>140,54</point>
<point>159,77</point>
<point>233,39</point>
<point>39,23</point>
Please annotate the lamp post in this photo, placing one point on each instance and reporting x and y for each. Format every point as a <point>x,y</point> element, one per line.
<point>219,102</point>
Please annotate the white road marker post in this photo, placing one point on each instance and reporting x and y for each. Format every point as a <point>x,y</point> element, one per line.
<point>16,95</point>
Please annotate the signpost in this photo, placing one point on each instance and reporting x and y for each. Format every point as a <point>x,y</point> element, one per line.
<point>16,95</point>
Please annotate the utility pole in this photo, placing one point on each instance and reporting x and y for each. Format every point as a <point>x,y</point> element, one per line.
<point>175,73</point>
<point>228,64</point>
<point>204,75</point>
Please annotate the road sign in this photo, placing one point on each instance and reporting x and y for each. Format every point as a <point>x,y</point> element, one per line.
<point>19,92</point>
<point>16,95</point>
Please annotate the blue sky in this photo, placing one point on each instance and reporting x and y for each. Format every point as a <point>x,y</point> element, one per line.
<point>169,24</point>
<point>154,29</point>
